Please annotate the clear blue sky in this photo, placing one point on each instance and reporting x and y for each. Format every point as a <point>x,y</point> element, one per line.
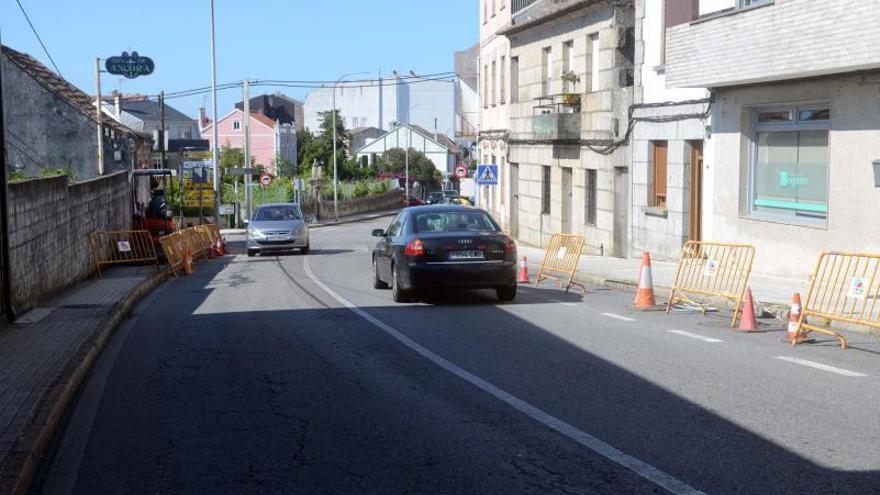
<point>256,39</point>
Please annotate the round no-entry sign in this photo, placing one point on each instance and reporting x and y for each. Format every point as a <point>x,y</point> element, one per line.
<point>461,171</point>
<point>265,180</point>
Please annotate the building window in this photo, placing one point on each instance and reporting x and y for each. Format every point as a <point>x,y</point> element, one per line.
<point>494,85</point>
<point>493,8</point>
<point>594,62</point>
<point>789,170</point>
<point>236,125</point>
<point>709,7</point>
<point>545,190</point>
<point>485,11</point>
<point>568,64</point>
<point>658,174</point>
<point>502,172</point>
<point>590,200</point>
<point>514,79</point>
<point>547,71</point>
<point>502,85</point>
<point>485,86</point>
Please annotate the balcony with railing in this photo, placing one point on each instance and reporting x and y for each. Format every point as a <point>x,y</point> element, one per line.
<point>557,117</point>
<point>517,5</point>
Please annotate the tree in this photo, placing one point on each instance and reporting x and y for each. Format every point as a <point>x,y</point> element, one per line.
<point>320,147</point>
<point>421,168</point>
<point>283,167</point>
<point>231,157</point>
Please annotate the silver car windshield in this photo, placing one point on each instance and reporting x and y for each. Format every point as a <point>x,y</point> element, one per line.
<point>277,214</point>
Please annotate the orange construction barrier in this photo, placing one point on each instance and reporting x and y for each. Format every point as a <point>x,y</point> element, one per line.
<point>845,287</point>
<point>122,248</point>
<point>712,269</point>
<point>561,261</point>
<point>645,292</point>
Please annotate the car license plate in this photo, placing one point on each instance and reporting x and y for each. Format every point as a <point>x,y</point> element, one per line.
<point>466,255</point>
<point>277,238</point>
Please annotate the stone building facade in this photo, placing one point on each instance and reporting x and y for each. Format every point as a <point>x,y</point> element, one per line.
<point>571,89</point>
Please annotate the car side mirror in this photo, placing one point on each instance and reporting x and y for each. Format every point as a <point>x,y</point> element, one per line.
<point>245,222</point>
<point>378,233</point>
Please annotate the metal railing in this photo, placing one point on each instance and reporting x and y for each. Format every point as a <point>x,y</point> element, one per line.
<point>517,5</point>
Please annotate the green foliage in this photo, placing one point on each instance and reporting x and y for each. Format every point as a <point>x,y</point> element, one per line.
<point>284,167</point>
<point>380,187</point>
<point>16,176</point>
<point>421,168</point>
<point>231,157</point>
<point>320,147</point>
<point>58,172</point>
<point>361,190</point>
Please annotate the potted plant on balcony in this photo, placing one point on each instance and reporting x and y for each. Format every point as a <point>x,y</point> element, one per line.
<point>570,97</point>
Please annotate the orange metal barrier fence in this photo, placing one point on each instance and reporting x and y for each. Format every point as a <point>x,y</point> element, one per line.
<point>561,261</point>
<point>122,247</point>
<point>193,240</point>
<point>712,269</point>
<point>845,287</point>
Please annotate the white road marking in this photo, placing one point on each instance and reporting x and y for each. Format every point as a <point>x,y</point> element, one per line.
<point>618,317</point>
<point>643,469</point>
<point>820,366</point>
<point>570,304</point>
<point>698,337</point>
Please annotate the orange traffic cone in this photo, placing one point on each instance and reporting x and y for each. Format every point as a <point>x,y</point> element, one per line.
<point>210,251</point>
<point>794,335</point>
<point>645,293</point>
<point>187,262</point>
<point>218,248</point>
<point>747,322</point>
<point>523,276</point>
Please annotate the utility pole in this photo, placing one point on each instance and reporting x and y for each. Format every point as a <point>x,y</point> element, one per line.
<point>162,128</point>
<point>246,92</point>
<point>5,277</point>
<point>381,125</point>
<point>99,115</point>
<point>215,143</point>
<point>408,145</point>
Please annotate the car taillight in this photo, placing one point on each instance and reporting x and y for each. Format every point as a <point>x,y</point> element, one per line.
<point>415,248</point>
<point>510,246</point>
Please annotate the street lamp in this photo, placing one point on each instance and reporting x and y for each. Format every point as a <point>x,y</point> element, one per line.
<point>214,155</point>
<point>335,176</point>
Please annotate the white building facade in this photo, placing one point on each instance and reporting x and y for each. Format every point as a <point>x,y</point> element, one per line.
<point>495,73</point>
<point>795,124</point>
<point>424,102</point>
<point>667,142</point>
<point>403,136</point>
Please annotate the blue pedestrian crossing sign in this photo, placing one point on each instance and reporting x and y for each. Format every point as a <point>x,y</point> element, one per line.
<point>487,175</point>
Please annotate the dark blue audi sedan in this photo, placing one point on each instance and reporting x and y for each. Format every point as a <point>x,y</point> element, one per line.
<point>444,247</point>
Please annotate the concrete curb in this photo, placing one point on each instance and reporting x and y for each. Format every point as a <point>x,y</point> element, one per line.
<point>20,465</point>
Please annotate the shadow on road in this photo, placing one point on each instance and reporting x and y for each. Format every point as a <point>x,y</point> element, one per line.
<point>318,400</point>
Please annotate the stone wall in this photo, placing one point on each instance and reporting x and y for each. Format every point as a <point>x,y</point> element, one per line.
<point>379,202</point>
<point>49,226</point>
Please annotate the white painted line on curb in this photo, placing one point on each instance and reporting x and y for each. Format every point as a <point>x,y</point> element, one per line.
<point>570,304</point>
<point>820,366</point>
<point>698,337</point>
<point>618,317</point>
<point>637,466</point>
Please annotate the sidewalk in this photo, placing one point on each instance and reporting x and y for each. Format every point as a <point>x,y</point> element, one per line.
<point>768,291</point>
<point>326,223</point>
<point>45,355</point>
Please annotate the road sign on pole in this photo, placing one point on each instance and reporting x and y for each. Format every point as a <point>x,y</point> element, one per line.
<point>461,171</point>
<point>487,175</point>
<point>265,180</point>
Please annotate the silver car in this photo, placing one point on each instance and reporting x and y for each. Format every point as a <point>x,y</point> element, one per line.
<point>277,227</point>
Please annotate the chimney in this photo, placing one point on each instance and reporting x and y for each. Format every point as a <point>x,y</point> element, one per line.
<point>117,103</point>
<point>203,119</point>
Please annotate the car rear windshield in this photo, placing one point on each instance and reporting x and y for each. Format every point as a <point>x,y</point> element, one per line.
<point>277,214</point>
<point>455,221</point>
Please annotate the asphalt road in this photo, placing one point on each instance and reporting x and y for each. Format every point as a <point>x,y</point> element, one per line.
<point>291,374</point>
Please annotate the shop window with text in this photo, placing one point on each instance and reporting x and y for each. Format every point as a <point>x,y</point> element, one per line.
<point>789,169</point>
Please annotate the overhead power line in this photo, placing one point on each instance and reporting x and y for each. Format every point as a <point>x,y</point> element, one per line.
<point>31,24</point>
